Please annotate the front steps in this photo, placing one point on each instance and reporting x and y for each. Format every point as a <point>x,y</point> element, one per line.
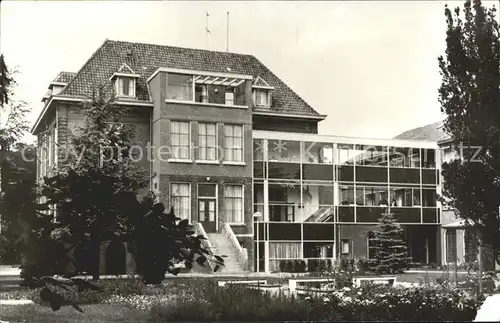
<point>221,246</point>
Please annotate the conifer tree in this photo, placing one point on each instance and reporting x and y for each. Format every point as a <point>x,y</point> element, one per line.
<point>470,98</point>
<point>388,247</point>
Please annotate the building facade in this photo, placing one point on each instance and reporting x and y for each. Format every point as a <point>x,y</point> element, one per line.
<point>321,196</point>
<point>236,152</point>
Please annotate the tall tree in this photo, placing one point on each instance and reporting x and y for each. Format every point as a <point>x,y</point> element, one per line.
<point>17,202</point>
<point>470,97</point>
<point>17,170</point>
<point>5,82</point>
<point>388,247</point>
<point>95,187</point>
<point>13,113</point>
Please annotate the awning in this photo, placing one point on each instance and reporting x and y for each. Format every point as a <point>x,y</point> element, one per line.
<point>217,80</point>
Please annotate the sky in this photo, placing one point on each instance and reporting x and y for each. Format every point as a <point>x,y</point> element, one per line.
<point>370,66</point>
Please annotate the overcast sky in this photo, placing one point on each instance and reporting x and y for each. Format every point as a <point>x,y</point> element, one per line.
<point>370,66</point>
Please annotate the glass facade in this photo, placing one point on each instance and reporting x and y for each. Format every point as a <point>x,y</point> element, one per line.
<point>303,189</point>
<point>335,182</point>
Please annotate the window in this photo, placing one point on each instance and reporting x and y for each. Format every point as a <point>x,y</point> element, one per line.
<point>285,250</point>
<point>318,153</point>
<point>180,198</point>
<point>261,98</point>
<point>404,157</point>
<point>53,148</point>
<point>428,158</point>
<point>372,195</point>
<point>233,203</point>
<point>371,155</point>
<point>180,87</point>
<point>429,197</point>
<point>346,154</point>
<point>126,87</point>
<point>451,245</point>
<point>220,94</point>
<point>207,141</point>
<point>284,151</point>
<point>179,140</point>
<point>233,143</point>
<point>346,195</point>
<point>229,96</point>
<point>370,237</point>
<point>401,197</point>
<point>201,93</point>
<point>344,244</point>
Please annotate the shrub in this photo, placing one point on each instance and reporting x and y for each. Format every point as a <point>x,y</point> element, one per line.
<point>236,303</point>
<point>312,265</point>
<point>367,303</point>
<point>363,265</point>
<point>300,266</point>
<point>382,303</point>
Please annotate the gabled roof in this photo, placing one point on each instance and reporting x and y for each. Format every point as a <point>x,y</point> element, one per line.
<point>260,82</point>
<point>431,132</point>
<point>145,59</point>
<point>125,69</point>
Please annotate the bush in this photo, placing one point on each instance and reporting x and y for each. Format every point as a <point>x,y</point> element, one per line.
<point>382,303</point>
<point>292,266</point>
<point>367,303</point>
<point>363,265</point>
<point>237,303</point>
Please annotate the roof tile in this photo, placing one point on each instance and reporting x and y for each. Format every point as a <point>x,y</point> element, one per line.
<point>431,132</point>
<point>145,59</point>
<point>64,77</point>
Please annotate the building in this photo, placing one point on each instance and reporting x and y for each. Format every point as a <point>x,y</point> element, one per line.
<point>459,245</point>
<point>235,146</point>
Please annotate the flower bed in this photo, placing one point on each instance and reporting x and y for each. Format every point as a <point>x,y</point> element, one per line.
<point>379,303</point>
<point>202,299</point>
<point>366,303</point>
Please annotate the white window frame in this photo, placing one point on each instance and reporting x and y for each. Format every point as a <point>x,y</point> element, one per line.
<point>189,197</point>
<point>176,158</point>
<point>233,162</point>
<point>344,246</point>
<point>216,143</point>
<point>242,204</point>
<point>193,98</point>
<point>446,234</point>
<point>209,198</point>
<point>265,91</point>
<point>193,87</point>
<point>119,87</point>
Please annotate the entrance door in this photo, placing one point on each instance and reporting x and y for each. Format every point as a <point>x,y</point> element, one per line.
<point>206,214</point>
<point>207,206</point>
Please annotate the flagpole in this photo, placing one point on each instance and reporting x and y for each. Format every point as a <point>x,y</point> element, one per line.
<point>206,30</point>
<point>227,33</point>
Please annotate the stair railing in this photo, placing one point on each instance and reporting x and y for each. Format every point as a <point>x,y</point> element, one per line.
<point>199,230</point>
<point>241,253</point>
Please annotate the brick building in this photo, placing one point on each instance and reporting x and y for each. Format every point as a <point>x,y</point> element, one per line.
<point>242,147</point>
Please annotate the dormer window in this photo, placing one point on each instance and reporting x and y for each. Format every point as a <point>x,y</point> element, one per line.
<point>261,93</point>
<point>125,82</point>
<point>56,89</point>
<point>125,86</point>
<point>261,98</point>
